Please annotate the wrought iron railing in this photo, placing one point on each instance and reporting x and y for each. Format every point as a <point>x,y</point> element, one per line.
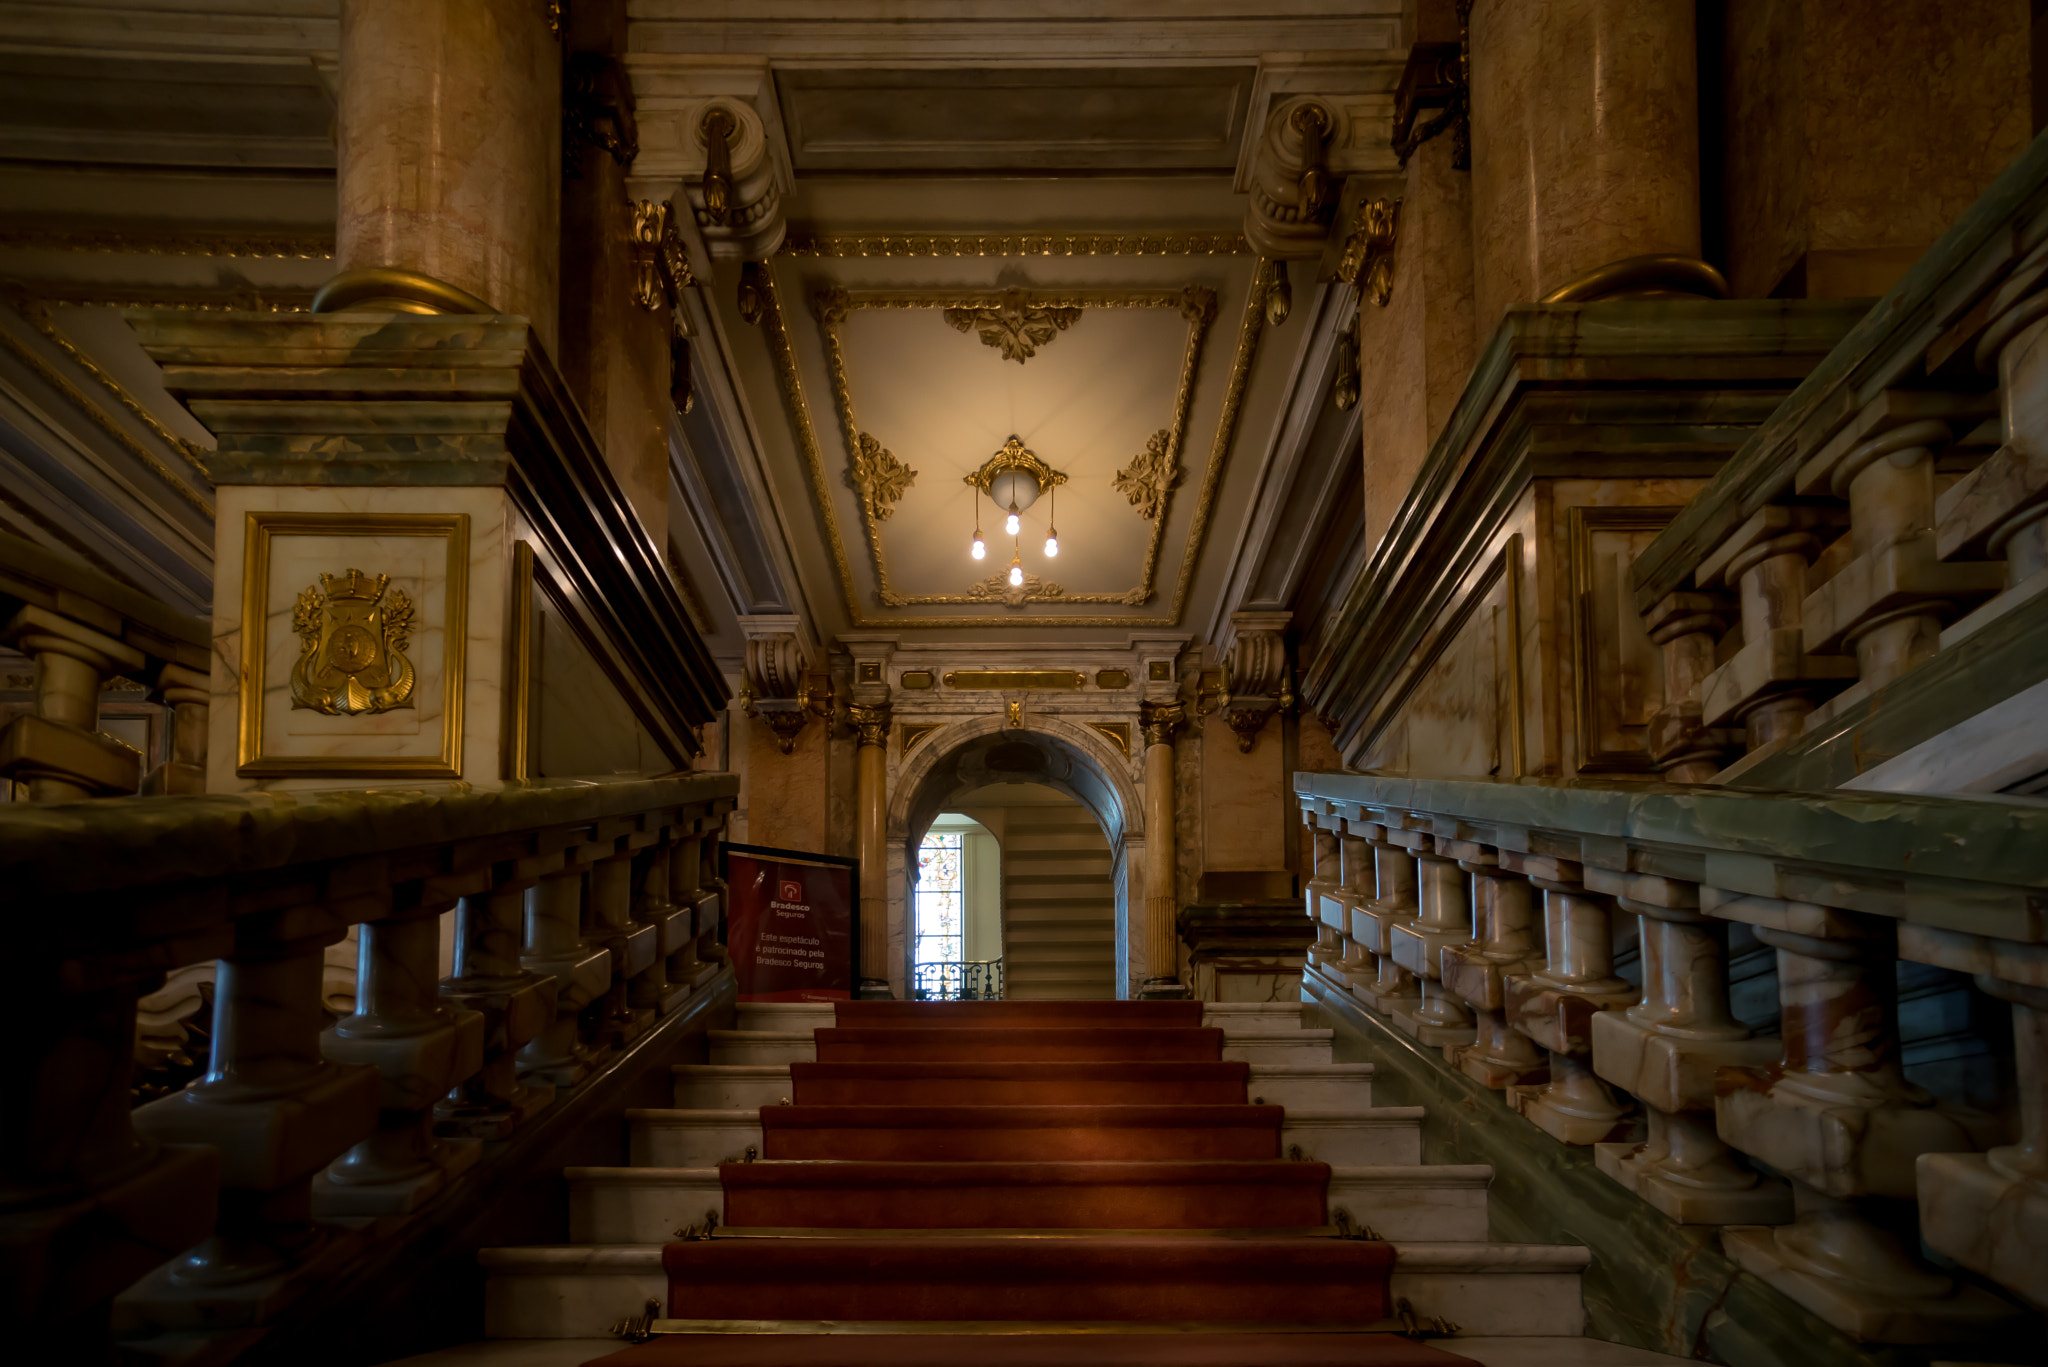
<point>979,980</point>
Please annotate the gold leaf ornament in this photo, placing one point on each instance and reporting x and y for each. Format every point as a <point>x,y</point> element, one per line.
<point>353,632</point>
<point>878,477</point>
<point>1150,476</point>
<point>1012,326</point>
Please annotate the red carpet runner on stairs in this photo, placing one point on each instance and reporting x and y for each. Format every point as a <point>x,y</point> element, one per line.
<point>1085,1179</point>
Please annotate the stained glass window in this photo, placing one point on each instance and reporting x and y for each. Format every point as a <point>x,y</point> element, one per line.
<point>941,900</point>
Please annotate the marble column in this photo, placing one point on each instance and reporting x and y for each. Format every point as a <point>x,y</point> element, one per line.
<point>1585,150</point>
<point>279,1112</point>
<point>448,146</point>
<point>1394,903</point>
<point>420,1048</point>
<point>1504,920</point>
<point>516,1005</point>
<point>58,749</point>
<point>1443,917</point>
<point>1555,1005</point>
<point>1666,1049</point>
<point>1159,722</point>
<point>871,779</point>
<point>1837,1117</point>
<point>553,944</point>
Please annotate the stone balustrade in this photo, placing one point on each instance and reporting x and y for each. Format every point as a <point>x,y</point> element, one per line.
<point>1813,601</point>
<point>82,631</point>
<point>305,1142</point>
<point>1823,1161</point>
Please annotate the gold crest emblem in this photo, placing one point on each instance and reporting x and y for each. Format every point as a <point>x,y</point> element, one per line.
<point>353,635</point>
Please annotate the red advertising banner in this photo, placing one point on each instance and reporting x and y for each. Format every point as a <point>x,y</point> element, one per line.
<point>790,924</point>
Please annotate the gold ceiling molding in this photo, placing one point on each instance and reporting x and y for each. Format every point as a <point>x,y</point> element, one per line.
<point>32,312</point>
<point>833,306</point>
<point>1013,327</point>
<point>1150,477</point>
<point>1015,244</point>
<point>997,588</point>
<point>1117,731</point>
<point>303,246</point>
<point>878,477</point>
<point>789,383</point>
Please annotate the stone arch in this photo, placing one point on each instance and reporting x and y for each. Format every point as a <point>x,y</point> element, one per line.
<point>974,753</point>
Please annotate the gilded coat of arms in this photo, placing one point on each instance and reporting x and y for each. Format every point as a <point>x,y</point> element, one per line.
<point>353,632</point>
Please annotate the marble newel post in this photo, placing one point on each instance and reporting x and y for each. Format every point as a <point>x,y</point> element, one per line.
<point>1585,152</point>
<point>1837,1117</point>
<point>1162,907</point>
<point>871,775</point>
<point>448,144</point>
<point>1666,1049</point>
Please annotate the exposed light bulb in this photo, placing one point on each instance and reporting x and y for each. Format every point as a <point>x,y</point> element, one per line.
<point>1016,574</point>
<point>1011,524</point>
<point>978,550</point>
<point>1052,542</point>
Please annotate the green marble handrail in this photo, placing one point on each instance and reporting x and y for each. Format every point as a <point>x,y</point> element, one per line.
<point>1887,349</point>
<point>1956,863</point>
<point>115,845</point>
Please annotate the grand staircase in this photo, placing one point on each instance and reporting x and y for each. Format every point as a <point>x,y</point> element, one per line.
<point>837,1178</point>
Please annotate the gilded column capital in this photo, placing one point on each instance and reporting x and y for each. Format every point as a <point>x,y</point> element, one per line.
<point>870,723</point>
<point>1160,721</point>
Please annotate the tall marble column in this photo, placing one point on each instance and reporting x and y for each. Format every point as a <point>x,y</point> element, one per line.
<point>1585,151</point>
<point>871,778</point>
<point>448,142</point>
<point>1162,936</point>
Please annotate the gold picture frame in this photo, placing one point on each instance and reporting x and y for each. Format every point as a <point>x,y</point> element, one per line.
<point>252,760</point>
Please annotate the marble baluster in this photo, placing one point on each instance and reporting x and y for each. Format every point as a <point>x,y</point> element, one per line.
<point>1665,1051</point>
<point>1838,1118</point>
<point>553,944</point>
<point>87,1204</point>
<point>279,1112</point>
<point>1355,888</point>
<point>608,921</point>
<point>1437,1018</point>
<point>516,1005</point>
<point>421,1047</point>
<point>1324,887</point>
<point>673,925</point>
<point>1554,1006</point>
<point>1394,903</point>
<point>1990,1212</point>
<point>58,749</point>
<point>1504,917</point>
<point>2003,503</point>
<point>1686,628</point>
<point>187,692</point>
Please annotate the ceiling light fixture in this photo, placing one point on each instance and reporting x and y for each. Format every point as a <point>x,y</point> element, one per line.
<point>1052,533</point>
<point>1014,478</point>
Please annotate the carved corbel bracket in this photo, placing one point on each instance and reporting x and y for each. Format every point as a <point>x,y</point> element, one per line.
<point>776,689</point>
<point>1259,680</point>
<point>1291,200</point>
<point>737,200</point>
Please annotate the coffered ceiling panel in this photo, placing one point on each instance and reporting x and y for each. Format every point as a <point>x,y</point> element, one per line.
<point>1121,369</point>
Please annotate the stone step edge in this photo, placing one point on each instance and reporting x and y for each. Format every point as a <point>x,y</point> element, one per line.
<point>678,1116</point>
<point>781,1070</point>
<point>1476,1259</point>
<point>718,1037</point>
<point>1456,1176</point>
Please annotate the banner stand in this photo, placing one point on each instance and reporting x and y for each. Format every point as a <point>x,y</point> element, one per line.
<point>791,923</point>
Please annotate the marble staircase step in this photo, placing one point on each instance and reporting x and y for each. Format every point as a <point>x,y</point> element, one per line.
<point>762,1046</point>
<point>745,1086</point>
<point>1245,1017</point>
<point>1278,1046</point>
<point>1437,1202</point>
<point>1484,1288</point>
<point>1311,1086</point>
<point>1368,1136</point>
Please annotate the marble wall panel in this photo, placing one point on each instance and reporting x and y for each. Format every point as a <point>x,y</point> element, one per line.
<point>582,725</point>
<point>787,795</point>
<point>1855,137</point>
<point>1248,812</point>
<point>304,733</point>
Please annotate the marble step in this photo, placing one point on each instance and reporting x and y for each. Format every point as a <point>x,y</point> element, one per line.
<point>1254,1016</point>
<point>1400,1201</point>
<point>783,1017</point>
<point>580,1291</point>
<point>1250,1046</point>
<point>1370,1136</point>
<point>1297,1086</point>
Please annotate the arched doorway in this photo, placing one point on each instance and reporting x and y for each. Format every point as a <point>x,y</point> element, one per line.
<point>972,758</point>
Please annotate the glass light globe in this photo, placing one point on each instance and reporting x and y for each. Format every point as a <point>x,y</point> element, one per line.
<point>1052,544</point>
<point>978,550</point>
<point>1016,575</point>
<point>1011,524</point>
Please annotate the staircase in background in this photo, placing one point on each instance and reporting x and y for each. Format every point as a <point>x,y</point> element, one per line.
<point>885,1163</point>
<point>1059,906</point>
